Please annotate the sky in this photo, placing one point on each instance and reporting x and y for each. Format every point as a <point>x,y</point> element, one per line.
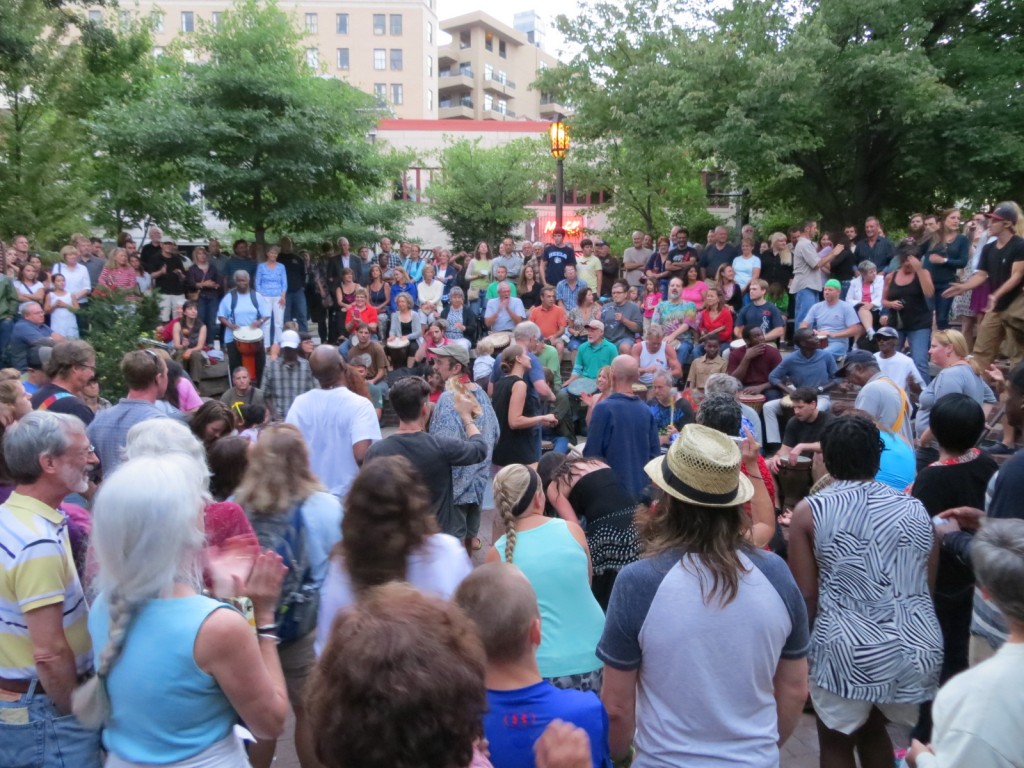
<point>506,11</point>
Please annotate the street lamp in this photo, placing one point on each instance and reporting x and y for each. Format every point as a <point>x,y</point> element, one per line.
<point>559,135</point>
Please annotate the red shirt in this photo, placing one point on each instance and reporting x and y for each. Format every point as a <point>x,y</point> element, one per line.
<point>759,368</point>
<point>548,320</point>
<point>706,324</point>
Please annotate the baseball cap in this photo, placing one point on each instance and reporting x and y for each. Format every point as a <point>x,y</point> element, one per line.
<point>856,357</point>
<point>290,340</point>
<point>455,351</point>
<point>595,324</point>
<point>1003,213</point>
<point>889,333</point>
<point>834,284</point>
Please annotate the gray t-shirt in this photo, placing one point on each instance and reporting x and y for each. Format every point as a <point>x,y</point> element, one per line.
<point>955,378</point>
<point>884,399</point>
<point>615,331</point>
<point>705,670</point>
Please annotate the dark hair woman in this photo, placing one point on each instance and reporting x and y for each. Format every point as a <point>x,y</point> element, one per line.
<point>518,414</point>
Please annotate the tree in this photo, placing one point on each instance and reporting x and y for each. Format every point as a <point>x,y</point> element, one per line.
<point>273,145</point>
<point>482,192</point>
<point>624,129</point>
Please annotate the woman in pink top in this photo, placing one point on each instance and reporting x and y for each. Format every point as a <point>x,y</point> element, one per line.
<point>118,273</point>
<point>693,287</point>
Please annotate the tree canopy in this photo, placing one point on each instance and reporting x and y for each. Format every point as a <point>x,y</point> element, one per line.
<point>842,108</point>
<point>482,192</point>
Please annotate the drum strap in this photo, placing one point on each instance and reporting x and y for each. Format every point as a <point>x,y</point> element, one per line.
<point>252,298</point>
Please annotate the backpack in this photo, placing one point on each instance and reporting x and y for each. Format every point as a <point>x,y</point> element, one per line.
<point>297,607</point>
<point>234,303</point>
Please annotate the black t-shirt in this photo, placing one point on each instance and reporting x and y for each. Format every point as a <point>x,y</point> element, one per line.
<point>841,267</point>
<point>916,314</point>
<point>998,263</point>
<point>57,399</point>
<point>433,457</point>
<point>514,446</point>
<point>555,259</point>
<point>294,270</point>
<point>171,283</point>
<point>149,257</point>
<point>805,431</point>
<point>712,259</point>
<point>678,255</point>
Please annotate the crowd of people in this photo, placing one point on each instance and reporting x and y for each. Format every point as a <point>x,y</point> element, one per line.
<point>728,482</point>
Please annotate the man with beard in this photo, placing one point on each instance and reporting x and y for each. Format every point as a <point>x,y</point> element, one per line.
<point>72,365</point>
<point>45,650</point>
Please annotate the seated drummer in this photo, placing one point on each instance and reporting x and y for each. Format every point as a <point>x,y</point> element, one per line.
<point>753,364</point>
<point>669,417</point>
<point>504,312</point>
<point>809,366</point>
<point>592,356</point>
<point>803,432</point>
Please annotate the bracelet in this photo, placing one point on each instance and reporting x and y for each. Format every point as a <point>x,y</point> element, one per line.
<point>267,636</point>
<point>269,628</point>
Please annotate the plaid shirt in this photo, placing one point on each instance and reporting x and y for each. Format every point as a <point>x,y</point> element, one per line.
<point>567,295</point>
<point>283,383</point>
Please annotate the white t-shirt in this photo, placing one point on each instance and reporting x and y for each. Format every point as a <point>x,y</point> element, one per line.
<point>898,368</point>
<point>75,280</point>
<point>332,421</point>
<point>436,567</point>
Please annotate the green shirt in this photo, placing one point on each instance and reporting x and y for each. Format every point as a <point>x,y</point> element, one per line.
<point>590,359</point>
<point>492,290</point>
<point>549,359</point>
<point>8,298</point>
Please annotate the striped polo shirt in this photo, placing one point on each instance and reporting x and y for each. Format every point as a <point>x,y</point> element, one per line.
<point>37,570</point>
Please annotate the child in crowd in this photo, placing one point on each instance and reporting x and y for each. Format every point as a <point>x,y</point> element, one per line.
<point>254,418</point>
<point>360,364</point>
<point>778,296</point>
<point>652,297</point>
<point>711,362</point>
<point>484,363</point>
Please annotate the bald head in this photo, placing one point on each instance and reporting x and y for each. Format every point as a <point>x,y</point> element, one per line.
<point>625,371</point>
<point>326,366</point>
<point>502,604</point>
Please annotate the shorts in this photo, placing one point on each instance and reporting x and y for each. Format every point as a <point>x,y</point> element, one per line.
<point>847,715</point>
<point>583,681</point>
<point>297,661</point>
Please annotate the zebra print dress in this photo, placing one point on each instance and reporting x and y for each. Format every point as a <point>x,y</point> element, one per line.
<point>876,637</point>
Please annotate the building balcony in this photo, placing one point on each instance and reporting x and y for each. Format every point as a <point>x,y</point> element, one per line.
<point>455,108</point>
<point>498,85</point>
<point>463,81</point>
<point>549,108</point>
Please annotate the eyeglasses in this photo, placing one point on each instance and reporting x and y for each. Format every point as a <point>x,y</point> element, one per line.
<point>83,365</point>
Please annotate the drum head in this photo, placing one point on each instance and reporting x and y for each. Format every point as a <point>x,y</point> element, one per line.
<point>398,343</point>
<point>582,387</point>
<point>501,339</point>
<point>248,333</point>
<point>737,344</point>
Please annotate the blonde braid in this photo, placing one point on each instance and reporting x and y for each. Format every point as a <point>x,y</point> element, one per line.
<point>509,486</point>
<point>90,701</point>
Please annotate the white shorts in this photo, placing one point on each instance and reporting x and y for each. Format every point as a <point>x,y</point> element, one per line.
<point>847,715</point>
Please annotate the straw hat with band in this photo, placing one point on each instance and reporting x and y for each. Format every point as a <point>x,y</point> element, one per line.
<point>702,467</point>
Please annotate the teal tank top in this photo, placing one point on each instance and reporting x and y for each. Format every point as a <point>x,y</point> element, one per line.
<point>571,621</point>
<point>164,708</point>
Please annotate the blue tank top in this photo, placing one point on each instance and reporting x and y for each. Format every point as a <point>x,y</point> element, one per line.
<point>164,708</point>
<point>571,621</point>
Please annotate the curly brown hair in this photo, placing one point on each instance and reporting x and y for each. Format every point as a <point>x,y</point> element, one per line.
<point>386,518</point>
<point>400,684</point>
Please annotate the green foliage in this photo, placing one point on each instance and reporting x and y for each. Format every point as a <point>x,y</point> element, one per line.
<point>274,145</point>
<point>483,192</point>
<point>115,326</point>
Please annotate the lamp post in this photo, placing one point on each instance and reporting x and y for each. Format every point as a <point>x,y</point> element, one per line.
<point>559,135</point>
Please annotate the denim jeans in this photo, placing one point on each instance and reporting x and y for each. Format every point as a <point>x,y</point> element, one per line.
<point>295,309</point>
<point>6,328</point>
<point>33,734</point>
<point>805,299</point>
<point>208,314</point>
<point>919,342</point>
<point>684,351</point>
<point>942,307</point>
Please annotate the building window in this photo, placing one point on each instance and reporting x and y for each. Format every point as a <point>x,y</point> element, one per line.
<point>396,59</point>
<point>397,93</point>
<point>380,58</point>
<point>96,17</point>
<point>343,58</point>
<point>503,106</point>
<point>396,24</point>
<point>488,72</point>
<point>430,100</point>
<point>313,58</point>
<point>464,38</point>
<point>379,24</point>
<point>157,19</point>
<point>430,32</point>
<point>189,56</point>
<point>430,66</point>
<point>312,24</point>
<point>502,77</point>
<point>216,17</point>
<point>489,41</point>
<point>341,23</point>
<point>125,20</point>
<point>380,90</point>
<point>488,102</point>
<point>501,49</point>
<point>465,69</point>
<point>188,21</point>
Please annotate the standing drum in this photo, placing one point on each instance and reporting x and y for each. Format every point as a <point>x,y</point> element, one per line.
<point>501,340</point>
<point>795,481</point>
<point>754,401</point>
<point>249,343</point>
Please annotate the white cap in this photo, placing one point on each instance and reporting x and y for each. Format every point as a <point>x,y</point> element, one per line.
<point>290,340</point>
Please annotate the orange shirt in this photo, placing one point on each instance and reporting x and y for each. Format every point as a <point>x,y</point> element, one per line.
<point>550,321</point>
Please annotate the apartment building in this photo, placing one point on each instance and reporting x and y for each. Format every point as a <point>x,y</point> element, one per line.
<point>386,48</point>
<point>485,72</point>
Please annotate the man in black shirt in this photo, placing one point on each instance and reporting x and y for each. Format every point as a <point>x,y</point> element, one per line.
<point>1002,265</point>
<point>803,432</point>
<point>875,247</point>
<point>717,254</point>
<point>295,272</point>
<point>555,258</point>
<point>150,253</point>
